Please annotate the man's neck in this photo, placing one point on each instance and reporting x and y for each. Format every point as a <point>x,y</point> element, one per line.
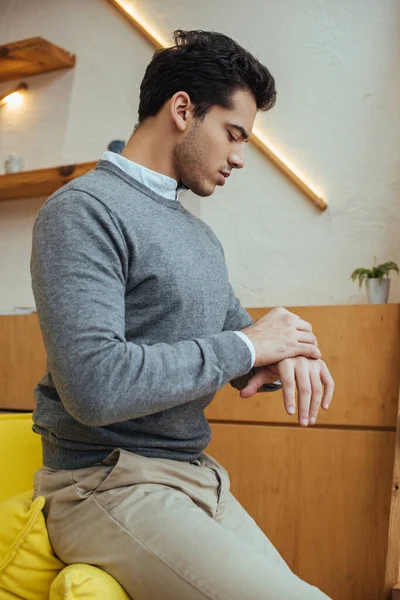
<point>146,148</point>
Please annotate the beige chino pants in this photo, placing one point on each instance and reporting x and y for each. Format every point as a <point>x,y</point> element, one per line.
<point>165,529</point>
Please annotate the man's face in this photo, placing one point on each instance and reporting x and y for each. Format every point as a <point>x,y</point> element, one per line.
<point>215,145</point>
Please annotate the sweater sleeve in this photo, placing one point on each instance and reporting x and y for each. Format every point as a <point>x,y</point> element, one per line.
<point>79,268</point>
<point>238,318</point>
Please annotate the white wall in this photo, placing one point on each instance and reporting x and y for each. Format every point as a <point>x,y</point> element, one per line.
<point>337,69</point>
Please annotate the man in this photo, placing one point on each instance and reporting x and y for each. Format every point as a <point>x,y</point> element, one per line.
<point>141,329</point>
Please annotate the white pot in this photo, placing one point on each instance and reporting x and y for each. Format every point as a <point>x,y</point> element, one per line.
<point>378,290</point>
<point>13,163</point>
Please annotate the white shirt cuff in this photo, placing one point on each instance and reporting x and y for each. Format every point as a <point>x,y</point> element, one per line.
<point>250,346</point>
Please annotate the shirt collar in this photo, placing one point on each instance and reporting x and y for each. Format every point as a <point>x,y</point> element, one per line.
<point>161,184</point>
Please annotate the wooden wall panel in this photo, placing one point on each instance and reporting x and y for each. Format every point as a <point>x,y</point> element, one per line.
<point>392,572</point>
<point>322,496</point>
<point>361,346</point>
<point>22,360</point>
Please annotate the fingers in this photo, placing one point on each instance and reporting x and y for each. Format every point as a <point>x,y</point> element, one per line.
<point>286,375</point>
<point>253,385</point>
<point>304,326</point>
<point>316,391</point>
<point>262,375</point>
<point>307,350</point>
<point>329,384</point>
<point>314,384</point>
<point>307,338</point>
<point>302,375</point>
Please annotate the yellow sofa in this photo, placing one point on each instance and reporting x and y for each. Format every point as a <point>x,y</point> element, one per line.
<point>29,570</point>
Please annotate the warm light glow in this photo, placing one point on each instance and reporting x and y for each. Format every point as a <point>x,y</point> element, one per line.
<point>275,157</point>
<point>284,160</point>
<point>14,99</point>
<point>142,23</point>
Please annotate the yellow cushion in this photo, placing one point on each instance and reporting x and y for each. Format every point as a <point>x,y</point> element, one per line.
<point>85,582</point>
<point>20,454</point>
<point>27,561</point>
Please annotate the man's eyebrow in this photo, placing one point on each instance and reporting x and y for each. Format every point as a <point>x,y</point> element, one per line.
<point>240,129</point>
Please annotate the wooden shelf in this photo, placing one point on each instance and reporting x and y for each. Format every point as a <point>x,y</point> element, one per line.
<point>43,182</point>
<point>32,56</point>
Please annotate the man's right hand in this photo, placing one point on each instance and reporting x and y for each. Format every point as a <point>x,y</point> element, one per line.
<point>281,334</point>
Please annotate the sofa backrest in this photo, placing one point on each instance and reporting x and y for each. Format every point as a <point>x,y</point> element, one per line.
<point>20,454</point>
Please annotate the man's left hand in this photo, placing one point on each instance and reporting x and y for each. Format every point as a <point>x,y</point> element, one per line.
<point>311,377</point>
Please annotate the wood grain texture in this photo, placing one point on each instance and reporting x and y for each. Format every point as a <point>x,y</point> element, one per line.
<point>42,182</point>
<point>361,346</point>
<point>396,592</point>
<point>348,338</point>
<point>321,496</point>
<point>32,56</point>
<point>22,360</point>
<point>392,572</point>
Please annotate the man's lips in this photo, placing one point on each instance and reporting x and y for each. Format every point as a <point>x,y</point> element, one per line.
<point>223,177</point>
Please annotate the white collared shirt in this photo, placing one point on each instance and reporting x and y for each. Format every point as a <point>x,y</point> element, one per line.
<point>161,184</point>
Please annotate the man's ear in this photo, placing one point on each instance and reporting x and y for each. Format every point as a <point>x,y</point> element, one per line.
<point>181,110</point>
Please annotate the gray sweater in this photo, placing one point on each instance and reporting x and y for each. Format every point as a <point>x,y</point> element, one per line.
<point>138,319</point>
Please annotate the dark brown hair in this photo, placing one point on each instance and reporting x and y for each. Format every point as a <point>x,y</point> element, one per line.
<point>209,66</point>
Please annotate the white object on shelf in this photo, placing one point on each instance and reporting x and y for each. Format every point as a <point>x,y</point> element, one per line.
<point>19,310</point>
<point>14,163</point>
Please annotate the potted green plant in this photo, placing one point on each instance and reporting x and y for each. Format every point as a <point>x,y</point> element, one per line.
<point>376,280</point>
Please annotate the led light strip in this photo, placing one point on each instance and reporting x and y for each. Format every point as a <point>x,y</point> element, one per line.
<point>155,39</point>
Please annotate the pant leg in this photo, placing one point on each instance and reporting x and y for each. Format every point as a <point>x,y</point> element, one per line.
<point>231,515</point>
<point>151,524</point>
<point>234,517</point>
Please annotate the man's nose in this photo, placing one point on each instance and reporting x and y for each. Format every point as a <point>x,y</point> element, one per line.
<point>236,160</point>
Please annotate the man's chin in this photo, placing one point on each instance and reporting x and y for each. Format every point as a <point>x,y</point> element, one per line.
<point>202,190</point>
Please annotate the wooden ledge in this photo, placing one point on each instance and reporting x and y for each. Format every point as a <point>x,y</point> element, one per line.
<point>31,57</point>
<point>43,182</point>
